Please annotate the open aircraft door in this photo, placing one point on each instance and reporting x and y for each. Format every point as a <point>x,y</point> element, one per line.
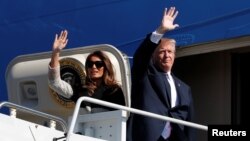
<point>27,79</point>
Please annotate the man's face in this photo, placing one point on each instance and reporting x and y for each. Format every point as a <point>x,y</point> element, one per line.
<point>164,55</point>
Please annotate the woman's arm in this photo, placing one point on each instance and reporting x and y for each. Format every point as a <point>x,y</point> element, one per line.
<point>54,78</point>
<point>57,84</point>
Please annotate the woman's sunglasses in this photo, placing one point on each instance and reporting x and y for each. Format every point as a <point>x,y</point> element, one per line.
<point>98,64</point>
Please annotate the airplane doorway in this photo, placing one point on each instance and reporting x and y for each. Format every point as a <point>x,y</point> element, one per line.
<point>240,88</point>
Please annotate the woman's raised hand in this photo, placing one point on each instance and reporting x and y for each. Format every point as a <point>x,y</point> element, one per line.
<point>60,41</point>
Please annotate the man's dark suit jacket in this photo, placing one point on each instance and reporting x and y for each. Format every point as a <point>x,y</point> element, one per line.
<point>150,92</point>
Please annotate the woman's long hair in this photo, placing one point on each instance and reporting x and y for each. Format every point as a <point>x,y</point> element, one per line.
<point>108,78</point>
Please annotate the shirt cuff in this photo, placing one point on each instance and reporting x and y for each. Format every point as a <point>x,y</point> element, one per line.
<point>57,67</point>
<point>155,37</point>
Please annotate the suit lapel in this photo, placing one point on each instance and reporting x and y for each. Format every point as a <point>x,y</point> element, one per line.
<point>181,96</point>
<point>162,87</point>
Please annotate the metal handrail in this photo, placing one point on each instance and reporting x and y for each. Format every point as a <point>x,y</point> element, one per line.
<point>34,112</point>
<point>132,110</point>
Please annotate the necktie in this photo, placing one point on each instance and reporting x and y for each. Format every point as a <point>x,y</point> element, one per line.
<point>167,129</point>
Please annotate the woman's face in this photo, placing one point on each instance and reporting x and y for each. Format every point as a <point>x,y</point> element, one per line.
<point>95,68</point>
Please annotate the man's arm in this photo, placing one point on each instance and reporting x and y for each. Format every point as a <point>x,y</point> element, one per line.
<point>144,52</point>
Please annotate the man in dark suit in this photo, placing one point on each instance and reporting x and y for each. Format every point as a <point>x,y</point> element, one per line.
<point>155,89</point>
